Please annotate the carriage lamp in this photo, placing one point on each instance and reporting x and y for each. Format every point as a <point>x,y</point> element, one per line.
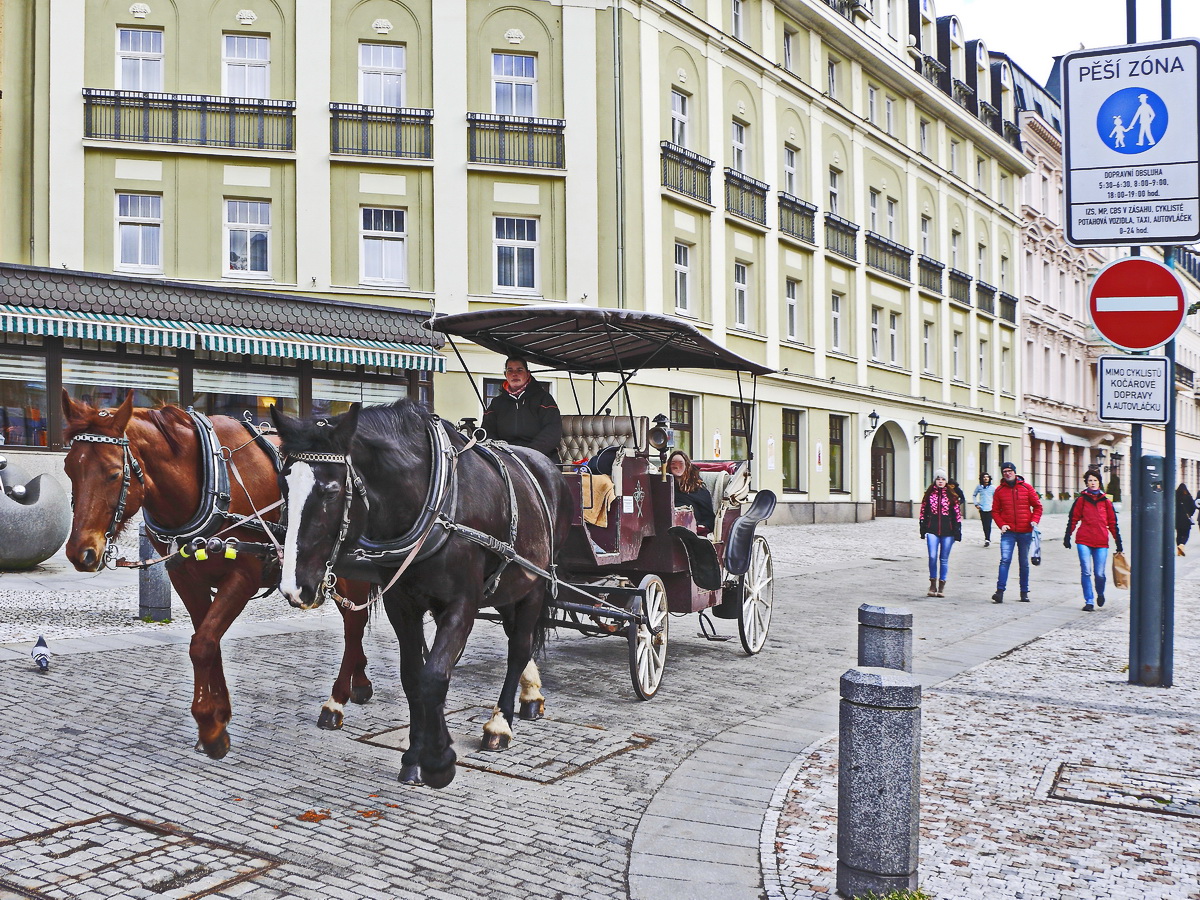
<point>661,436</point>
<point>873,418</point>
<point>922,429</point>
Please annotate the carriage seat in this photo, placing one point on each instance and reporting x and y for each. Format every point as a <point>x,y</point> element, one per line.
<point>729,483</point>
<point>585,436</point>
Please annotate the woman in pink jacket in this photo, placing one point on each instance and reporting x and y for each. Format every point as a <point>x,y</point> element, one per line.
<point>1092,519</point>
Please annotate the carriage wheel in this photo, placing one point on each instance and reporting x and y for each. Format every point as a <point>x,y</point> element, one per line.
<point>758,595</point>
<point>647,649</point>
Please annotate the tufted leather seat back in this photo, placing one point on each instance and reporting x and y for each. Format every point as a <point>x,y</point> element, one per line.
<point>585,436</point>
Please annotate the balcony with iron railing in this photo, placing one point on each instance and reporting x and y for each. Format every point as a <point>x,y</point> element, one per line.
<point>841,236</point>
<point>842,7</point>
<point>384,131</point>
<point>746,196</point>
<point>1008,307</point>
<point>797,218</point>
<point>192,119</point>
<point>686,172</point>
<point>1184,376</point>
<point>1012,134</point>
<point>515,141</point>
<point>933,70</point>
<point>989,115</point>
<point>1189,261</point>
<point>929,273</point>
<point>963,94</point>
<point>960,287</point>
<point>985,298</point>
<point>887,256</point>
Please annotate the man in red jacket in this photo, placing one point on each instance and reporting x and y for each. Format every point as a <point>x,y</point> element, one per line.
<point>1016,509</point>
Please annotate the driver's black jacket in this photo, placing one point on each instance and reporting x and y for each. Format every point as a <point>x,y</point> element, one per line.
<point>531,420</point>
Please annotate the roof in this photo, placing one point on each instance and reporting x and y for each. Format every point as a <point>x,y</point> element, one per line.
<point>55,290</point>
<point>591,339</point>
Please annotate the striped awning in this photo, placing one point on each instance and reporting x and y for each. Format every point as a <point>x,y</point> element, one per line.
<point>218,338</point>
<point>96,327</point>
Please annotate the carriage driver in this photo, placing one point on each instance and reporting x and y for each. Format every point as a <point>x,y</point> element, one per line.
<point>523,413</point>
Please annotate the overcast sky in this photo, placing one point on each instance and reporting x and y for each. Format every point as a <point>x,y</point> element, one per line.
<point>1033,32</point>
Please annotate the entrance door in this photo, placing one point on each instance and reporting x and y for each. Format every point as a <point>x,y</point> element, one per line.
<point>883,474</point>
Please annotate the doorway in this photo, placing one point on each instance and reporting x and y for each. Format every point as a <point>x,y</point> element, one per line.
<point>883,475</point>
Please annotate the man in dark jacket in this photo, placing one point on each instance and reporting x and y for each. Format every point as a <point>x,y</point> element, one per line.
<point>523,413</point>
<point>1016,509</point>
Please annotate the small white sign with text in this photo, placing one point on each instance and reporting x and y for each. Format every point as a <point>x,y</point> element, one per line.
<point>1134,389</point>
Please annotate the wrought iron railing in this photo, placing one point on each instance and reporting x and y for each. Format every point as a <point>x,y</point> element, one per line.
<point>960,286</point>
<point>888,256</point>
<point>933,70</point>
<point>929,273</point>
<point>192,119</point>
<point>1189,261</point>
<point>1012,134</point>
<point>989,114</point>
<point>746,196</point>
<point>515,141</point>
<point>841,236</point>
<point>985,298</point>
<point>1008,307</point>
<point>797,218</point>
<point>1184,375</point>
<point>686,172</point>
<point>842,7</point>
<point>380,131</point>
<point>963,94</point>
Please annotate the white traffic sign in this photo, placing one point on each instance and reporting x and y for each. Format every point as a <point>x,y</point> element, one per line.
<point>1134,389</point>
<point>1132,144</point>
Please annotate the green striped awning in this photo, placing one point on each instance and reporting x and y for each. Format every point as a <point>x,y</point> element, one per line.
<point>289,345</point>
<point>95,326</point>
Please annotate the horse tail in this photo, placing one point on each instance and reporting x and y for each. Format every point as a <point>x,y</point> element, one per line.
<point>541,631</point>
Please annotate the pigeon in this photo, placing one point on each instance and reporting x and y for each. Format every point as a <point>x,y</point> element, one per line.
<point>41,654</point>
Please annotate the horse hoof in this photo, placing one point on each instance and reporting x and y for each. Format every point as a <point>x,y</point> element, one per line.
<point>531,710</point>
<point>411,775</point>
<point>495,742</point>
<point>215,749</point>
<point>329,720</point>
<point>361,693</point>
<point>439,778</point>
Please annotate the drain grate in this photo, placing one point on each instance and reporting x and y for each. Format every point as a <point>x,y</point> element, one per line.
<point>116,857</point>
<point>1172,795</point>
<point>544,751</point>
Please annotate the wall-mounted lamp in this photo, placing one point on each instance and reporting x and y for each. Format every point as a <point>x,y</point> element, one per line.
<point>922,429</point>
<point>1114,460</point>
<point>873,418</point>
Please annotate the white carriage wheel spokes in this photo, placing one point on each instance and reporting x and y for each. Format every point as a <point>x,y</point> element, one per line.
<point>758,594</point>
<point>648,650</point>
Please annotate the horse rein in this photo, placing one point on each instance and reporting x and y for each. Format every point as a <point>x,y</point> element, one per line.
<point>129,467</point>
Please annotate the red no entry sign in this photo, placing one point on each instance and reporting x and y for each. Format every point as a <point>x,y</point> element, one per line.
<point>1137,304</point>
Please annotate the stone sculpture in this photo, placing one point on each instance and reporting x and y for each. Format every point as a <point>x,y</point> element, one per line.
<point>35,518</point>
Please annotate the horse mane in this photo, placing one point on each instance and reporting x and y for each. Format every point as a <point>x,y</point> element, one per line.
<point>164,420</point>
<point>386,431</point>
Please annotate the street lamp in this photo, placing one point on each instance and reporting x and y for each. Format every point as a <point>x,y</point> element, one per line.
<point>873,418</point>
<point>1114,460</point>
<point>922,429</point>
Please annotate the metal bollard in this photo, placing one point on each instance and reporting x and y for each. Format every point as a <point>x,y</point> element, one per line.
<point>154,587</point>
<point>885,637</point>
<point>879,778</point>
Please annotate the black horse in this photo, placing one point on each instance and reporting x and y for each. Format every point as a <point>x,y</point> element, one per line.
<point>397,473</point>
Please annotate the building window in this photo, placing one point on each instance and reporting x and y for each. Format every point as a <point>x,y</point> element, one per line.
<point>788,38</point>
<point>872,102</point>
<point>683,256</point>
<point>514,84</point>
<point>737,160</point>
<point>953,452</point>
<point>925,224</point>
<point>792,428</point>
<point>983,366</point>
<point>789,171</point>
<point>954,241</point>
<point>891,219</point>
<point>740,420</point>
<point>491,390</point>
<point>679,118</point>
<point>1004,273</point>
<point>837,454</point>
<point>894,338</point>
<point>23,411</point>
<point>139,59</point>
<point>1004,369</point>
<point>516,245</point>
<point>875,311</point>
<point>247,66</point>
<point>831,79</point>
<point>682,422</point>
<point>927,347</point>
<point>955,354</point>
<point>981,263</point>
<point>741,295</point>
<point>1004,454</point>
<point>248,238</point>
<point>139,233</point>
<point>985,457</point>
<point>737,23</point>
<point>381,74</point>
<point>923,132</point>
<point>384,246</point>
<point>1005,187</point>
<point>930,458</point>
<point>893,19</point>
<point>980,172</point>
<point>873,211</point>
<point>954,156</point>
<point>226,393</point>
<point>889,115</point>
<point>835,322</point>
<point>791,306</point>
<point>835,183</point>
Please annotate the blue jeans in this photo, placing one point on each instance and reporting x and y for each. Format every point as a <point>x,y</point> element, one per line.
<point>1092,563</point>
<point>939,546</point>
<point>1021,541</point>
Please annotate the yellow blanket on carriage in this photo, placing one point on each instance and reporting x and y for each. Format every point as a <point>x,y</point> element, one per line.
<point>598,493</point>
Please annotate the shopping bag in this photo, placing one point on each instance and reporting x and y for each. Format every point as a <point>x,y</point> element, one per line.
<point>1120,571</point>
<point>1035,547</point>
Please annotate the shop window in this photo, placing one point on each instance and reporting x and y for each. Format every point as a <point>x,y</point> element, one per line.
<point>333,396</point>
<point>740,419</point>
<point>235,393</point>
<point>837,454</point>
<point>102,383</point>
<point>22,400</point>
<point>793,427</point>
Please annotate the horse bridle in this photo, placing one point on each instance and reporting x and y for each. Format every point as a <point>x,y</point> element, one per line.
<point>129,466</point>
<point>351,484</point>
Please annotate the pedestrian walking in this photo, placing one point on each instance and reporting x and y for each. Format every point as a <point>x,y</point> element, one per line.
<point>941,526</point>
<point>1185,506</point>
<point>982,498</point>
<point>1092,520</point>
<point>1016,510</point>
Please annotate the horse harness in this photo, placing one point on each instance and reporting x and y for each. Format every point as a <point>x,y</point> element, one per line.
<point>129,466</point>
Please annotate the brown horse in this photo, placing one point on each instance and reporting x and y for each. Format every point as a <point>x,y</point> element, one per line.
<point>163,474</point>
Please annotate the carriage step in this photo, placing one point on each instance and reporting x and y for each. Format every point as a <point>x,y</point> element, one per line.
<point>708,630</point>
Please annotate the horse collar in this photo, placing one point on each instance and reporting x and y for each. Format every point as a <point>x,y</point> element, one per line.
<point>214,492</point>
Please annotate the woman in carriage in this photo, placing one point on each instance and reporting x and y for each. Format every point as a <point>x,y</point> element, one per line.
<point>690,490</point>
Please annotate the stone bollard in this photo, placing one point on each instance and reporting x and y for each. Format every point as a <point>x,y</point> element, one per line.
<point>879,778</point>
<point>885,637</point>
<point>154,586</point>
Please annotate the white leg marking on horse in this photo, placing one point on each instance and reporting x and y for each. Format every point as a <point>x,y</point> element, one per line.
<point>333,706</point>
<point>531,683</point>
<point>497,724</point>
<point>300,482</point>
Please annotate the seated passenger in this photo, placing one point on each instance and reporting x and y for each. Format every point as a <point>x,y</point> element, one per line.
<point>690,490</point>
<point>523,413</point>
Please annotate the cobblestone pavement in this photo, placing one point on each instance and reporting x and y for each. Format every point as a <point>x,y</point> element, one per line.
<point>1045,774</point>
<point>608,797</point>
